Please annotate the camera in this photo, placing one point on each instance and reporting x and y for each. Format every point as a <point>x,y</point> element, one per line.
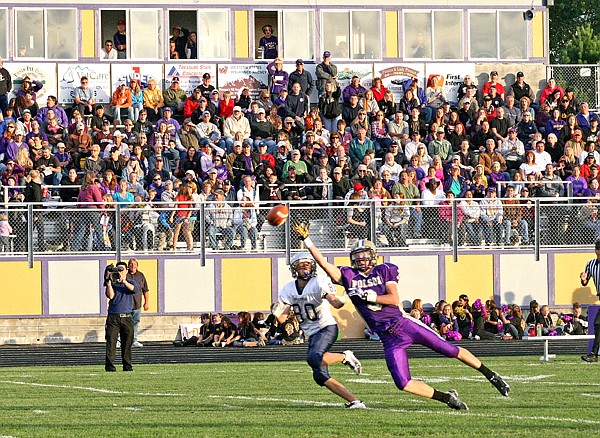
<point>112,273</point>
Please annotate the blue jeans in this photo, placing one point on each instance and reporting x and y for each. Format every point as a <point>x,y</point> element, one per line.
<point>521,226</point>
<point>227,232</point>
<point>330,124</point>
<point>244,233</point>
<point>3,102</point>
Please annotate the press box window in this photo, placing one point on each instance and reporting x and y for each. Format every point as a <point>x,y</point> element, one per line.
<point>352,35</point>
<point>49,33</point>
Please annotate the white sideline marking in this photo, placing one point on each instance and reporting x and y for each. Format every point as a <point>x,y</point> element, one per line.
<point>591,395</point>
<point>312,403</point>
<point>40,411</point>
<point>373,382</point>
<point>132,408</point>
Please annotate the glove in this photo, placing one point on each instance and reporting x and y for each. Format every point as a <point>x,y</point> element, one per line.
<point>278,309</point>
<point>369,295</point>
<point>301,229</point>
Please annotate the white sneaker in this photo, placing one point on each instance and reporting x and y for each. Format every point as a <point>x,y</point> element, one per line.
<point>223,344</point>
<point>352,362</point>
<point>137,344</point>
<point>356,404</point>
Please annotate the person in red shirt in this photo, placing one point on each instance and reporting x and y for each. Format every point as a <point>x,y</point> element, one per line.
<point>226,105</point>
<point>494,81</point>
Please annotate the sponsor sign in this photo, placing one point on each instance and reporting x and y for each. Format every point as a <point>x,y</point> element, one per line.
<point>69,78</point>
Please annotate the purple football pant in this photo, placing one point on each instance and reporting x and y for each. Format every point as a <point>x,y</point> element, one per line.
<point>408,331</point>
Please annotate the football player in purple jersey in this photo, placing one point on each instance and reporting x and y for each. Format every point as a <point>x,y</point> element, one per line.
<point>373,290</point>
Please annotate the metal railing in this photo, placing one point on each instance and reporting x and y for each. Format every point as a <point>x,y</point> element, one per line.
<point>455,225</point>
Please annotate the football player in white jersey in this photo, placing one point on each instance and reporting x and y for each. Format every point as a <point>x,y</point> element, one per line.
<point>310,297</point>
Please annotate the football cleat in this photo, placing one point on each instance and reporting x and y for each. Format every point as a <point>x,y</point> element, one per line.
<point>500,384</point>
<point>454,402</point>
<point>356,404</point>
<point>351,361</point>
<point>592,358</point>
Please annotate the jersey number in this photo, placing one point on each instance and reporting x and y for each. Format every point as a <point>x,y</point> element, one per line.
<point>309,313</point>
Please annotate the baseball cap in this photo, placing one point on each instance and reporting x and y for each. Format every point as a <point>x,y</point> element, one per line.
<point>295,152</point>
<point>281,144</point>
<point>19,132</point>
<point>213,170</point>
<point>205,113</point>
<point>187,120</point>
<point>159,158</point>
<point>456,157</point>
<point>117,133</point>
<point>260,111</point>
<point>491,189</point>
<point>520,74</point>
<point>493,73</point>
<point>237,108</point>
<point>597,244</point>
<point>292,168</point>
<point>262,144</point>
<point>206,76</point>
<point>175,79</point>
<point>190,171</point>
<point>289,119</point>
<point>299,61</point>
<point>237,143</point>
<point>337,170</point>
<point>358,186</point>
<point>488,98</point>
<point>26,110</point>
<point>60,145</point>
<point>168,108</point>
<point>440,130</point>
<point>120,22</point>
<point>215,91</point>
<point>326,54</point>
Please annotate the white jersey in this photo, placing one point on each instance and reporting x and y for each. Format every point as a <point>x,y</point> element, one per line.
<point>312,310</point>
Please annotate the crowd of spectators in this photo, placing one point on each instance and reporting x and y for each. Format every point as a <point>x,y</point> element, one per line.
<point>355,145</point>
<point>462,319</point>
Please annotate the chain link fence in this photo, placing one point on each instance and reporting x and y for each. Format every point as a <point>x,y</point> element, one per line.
<point>454,225</point>
<point>583,79</point>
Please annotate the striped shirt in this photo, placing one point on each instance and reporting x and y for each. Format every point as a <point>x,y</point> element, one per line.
<point>593,270</point>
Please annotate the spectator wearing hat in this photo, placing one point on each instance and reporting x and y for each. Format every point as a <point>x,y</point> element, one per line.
<point>59,113</point>
<point>236,123</point>
<point>206,88</point>
<point>25,121</point>
<point>520,88</point>
<point>208,132</point>
<point>354,89</point>
<point>278,78</point>
<point>115,162</point>
<point>295,188</point>
<point>326,71</point>
<point>589,152</point>
<point>497,101</point>
<point>49,166</point>
<point>105,136</point>
<point>175,97</point>
<point>526,128</point>
<point>121,100</point>
<point>64,158</point>
<point>300,166</point>
<point>188,136</point>
<point>268,42</point>
<point>293,130</point>
<point>440,146</point>
<point>571,98</point>
<point>204,105</point>
<point>493,81</point>
<point>263,131</point>
<point>513,150</point>
<point>120,40</point>
<point>303,77</point>
<point>172,124</point>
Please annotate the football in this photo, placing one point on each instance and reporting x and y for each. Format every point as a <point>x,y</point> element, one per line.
<point>277,215</point>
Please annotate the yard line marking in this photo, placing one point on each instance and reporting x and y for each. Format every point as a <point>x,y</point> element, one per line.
<point>101,390</point>
<point>39,411</point>
<point>370,381</point>
<point>132,408</point>
<point>591,395</point>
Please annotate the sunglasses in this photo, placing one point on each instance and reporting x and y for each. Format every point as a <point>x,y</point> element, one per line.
<point>109,45</point>
<point>156,179</point>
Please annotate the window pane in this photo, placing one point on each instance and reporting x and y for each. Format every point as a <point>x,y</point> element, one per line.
<point>61,36</point>
<point>366,37</point>
<point>186,20</point>
<point>3,27</point>
<point>483,39</point>
<point>298,36</point>
<point>448,42</point>
<point>336,33</point>
<point>513,44</point>
<point>142,34</point>
<point>213,35</point>
<point>417,35</point>
<point>30,34</point>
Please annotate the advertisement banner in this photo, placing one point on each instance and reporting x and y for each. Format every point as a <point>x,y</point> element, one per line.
<point>451,76</point>
<point>125,73</point>
<point>347,71</point>
<point>44,73</point>
<point>69,78</point>
<point>393,76</point>
<point>190,75</point>
<point>234,77</point>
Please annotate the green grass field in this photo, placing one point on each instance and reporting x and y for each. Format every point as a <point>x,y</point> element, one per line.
<point>560,398</point>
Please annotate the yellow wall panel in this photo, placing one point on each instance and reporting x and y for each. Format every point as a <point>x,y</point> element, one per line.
<point>568,288</point>
<point>537,30</point>
<point>242,36</point>
<point>246,284</point>
<point>21,290</point>
<point>88,32</point>
<point>391,34</point>
<point>472,275</point>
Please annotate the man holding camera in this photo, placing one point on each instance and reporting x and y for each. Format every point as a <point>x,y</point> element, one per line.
<point>120,292</point>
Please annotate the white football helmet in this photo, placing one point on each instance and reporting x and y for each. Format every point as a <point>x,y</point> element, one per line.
<point>359,247</point>
<point>303,257</point>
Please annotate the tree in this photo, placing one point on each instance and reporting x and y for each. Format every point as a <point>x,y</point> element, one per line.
<point>582,48</point>
<point>565,17</point>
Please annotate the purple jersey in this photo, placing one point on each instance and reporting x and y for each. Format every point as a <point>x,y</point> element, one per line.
<point>379,317</point>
